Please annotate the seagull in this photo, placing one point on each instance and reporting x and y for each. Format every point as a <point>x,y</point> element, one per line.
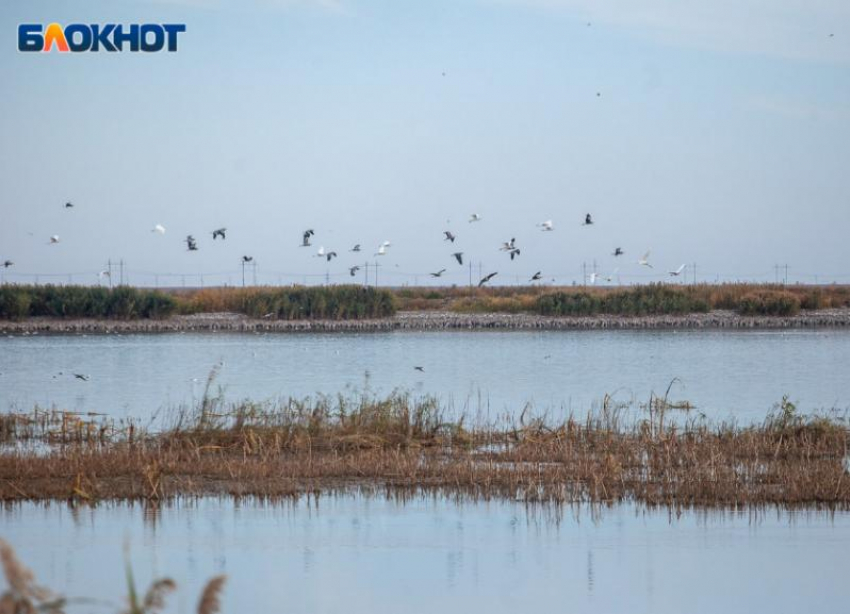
<point>420,369</point>
<point>588,220</point>
<point>305,238</point>
<point>645,260</point>
<point>514,253</point>
<point>247,259</point>
<point>677,272</point>
<point>191,244</point>
<point>486,278</point>
<point>356,248</point>
<point>618,251</point>
<point>382,251</point>
<point>159,229</point>
<point>474,218</point>
<point>69,205</point>
<point>438,273</point>
<point>536,277</point>
<point>508,246</point>
<point>7,264</point>
<point>54,239</point>
<point>459,257</point>
<point>449,236</point>
<point>219,233</point>
<point>353,270</point>
<point>80,376</point>
<point>547,225</point>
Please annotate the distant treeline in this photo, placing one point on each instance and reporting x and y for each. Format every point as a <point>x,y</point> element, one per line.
<point>336,302</point>
<point>356,302</point>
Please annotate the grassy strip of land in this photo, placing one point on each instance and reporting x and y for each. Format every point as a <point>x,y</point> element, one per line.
<point>126,303</point>
<point>401,443</point>
<point>18,302</point>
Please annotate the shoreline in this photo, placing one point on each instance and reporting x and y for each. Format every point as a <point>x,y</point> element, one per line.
<point>428,321</point>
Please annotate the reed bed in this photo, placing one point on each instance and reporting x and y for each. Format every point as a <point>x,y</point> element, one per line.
<point>350,302</point>
<point>656,454</point>
<point>644,300</point>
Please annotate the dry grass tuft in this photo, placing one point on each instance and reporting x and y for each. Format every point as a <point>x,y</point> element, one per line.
<point>209,602</point>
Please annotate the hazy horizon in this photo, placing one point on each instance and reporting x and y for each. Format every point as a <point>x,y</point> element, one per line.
<point>714,135</point>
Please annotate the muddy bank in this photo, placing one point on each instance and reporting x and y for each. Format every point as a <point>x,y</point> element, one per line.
<point>432,320</point>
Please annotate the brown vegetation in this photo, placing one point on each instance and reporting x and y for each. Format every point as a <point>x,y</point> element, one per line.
<point>409,444</point>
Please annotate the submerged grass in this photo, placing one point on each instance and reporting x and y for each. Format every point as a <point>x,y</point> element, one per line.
<point>657,454</point>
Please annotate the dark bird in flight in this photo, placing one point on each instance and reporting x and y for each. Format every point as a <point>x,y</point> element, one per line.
<point>330,256</point>
<point>588,220</point>
<point>247,259</point>
<point>438,273</point>
<point>353,270</point>
<point>509,245</point>
<point>618,251</point>
<point>69,205</point>
<point>459,257</point>
<point>535,277</point>
<point>356,248</point>
<point>85,378</point>
<point>219,233</point>
<point>305,238</point>
<point>486,278</point>
<point>420,369</point>
<point>449,236</point>
<point>191,244</point>
<point>514,253</point>
<point>7,264</point>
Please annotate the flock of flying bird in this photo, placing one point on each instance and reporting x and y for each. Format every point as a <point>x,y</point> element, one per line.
<point>508,247</point>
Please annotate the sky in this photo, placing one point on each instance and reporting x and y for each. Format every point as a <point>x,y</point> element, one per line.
<point>713,133</point>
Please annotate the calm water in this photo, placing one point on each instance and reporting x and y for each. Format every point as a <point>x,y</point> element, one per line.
<point>725,373</point>
<point>358,555</point>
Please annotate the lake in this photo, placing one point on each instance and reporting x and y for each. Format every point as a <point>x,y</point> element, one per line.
<point>739,374</point>
<point>360,554</point>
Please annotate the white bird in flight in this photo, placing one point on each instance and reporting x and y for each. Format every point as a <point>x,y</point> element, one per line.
<point>474,218</point>
<point>159,229</point>
<point>54,239</point>
<point>644,261</point>
<point>382,251</point>
<point>678,271</point>
<point>547,225</point>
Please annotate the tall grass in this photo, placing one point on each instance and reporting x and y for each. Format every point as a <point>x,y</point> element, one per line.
<point>295,303</point>
<point>125,302</point>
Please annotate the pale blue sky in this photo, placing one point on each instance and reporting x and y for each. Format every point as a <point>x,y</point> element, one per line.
<point>720,137</point>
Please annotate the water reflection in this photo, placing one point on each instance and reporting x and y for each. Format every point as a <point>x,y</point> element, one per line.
<point>358,553</point>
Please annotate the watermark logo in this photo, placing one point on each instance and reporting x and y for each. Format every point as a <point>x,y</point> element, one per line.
<point>79,37</point>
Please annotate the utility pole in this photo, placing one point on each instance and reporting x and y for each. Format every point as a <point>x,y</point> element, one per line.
<point>327,277</point>
<point>786,274</point>
<point>376,274</point>
<point>109,268</point>
<point>243,272</point>
<point>695,272</point>
<point>254,267</point>
<point>366,273</point>
<point>121,265</point>
<point>776,274</point>
<point>470,274</point>
<point>584,274</point>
